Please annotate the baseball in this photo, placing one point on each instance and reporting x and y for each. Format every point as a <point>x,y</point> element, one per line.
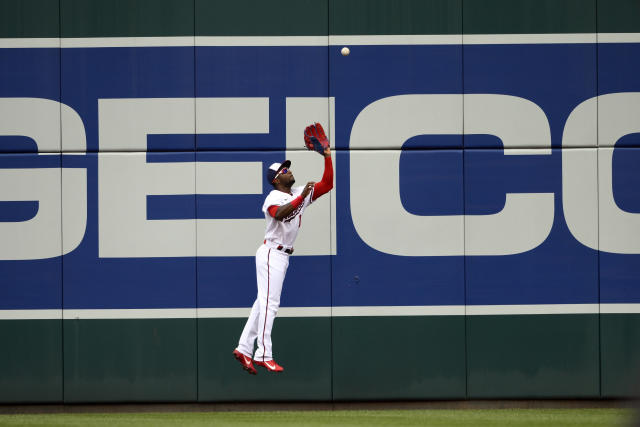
<point>345,51</point>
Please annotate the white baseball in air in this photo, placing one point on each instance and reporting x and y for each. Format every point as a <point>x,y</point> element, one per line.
<point>345,51</point>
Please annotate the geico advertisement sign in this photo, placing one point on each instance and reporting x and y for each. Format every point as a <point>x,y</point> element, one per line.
<point>124,182</point>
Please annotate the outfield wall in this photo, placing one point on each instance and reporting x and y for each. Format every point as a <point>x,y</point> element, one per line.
<point>482,239</point>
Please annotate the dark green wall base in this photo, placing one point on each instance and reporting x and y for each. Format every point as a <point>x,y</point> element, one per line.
<point>344,358</point>
<point>126,18</point>
<point>29,18</point>
<point>158,18</point>
<point>620,335</point>
<point>533,356</point>
<point>393,358</point>
<point>365,17</point>
<point>30,361</point>
<point>301,345</point>
<point>130,360</point>
<point>529,16</point>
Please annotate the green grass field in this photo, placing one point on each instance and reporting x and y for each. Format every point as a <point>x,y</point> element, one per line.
<point>433,417</point>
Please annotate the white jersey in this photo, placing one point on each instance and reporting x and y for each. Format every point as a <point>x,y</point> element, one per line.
<point>284,232</point>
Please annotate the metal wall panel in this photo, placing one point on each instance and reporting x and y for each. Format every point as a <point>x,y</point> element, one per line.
<point>423,221</point>
<point>31,272</point>
<point>405,17</point>
<point>620,346</point>
<point>252,113</point>
<point>533,356</point>
<point>619,200</point>
<point>258,18</point>
<point>137,110</point>
<point>404,89</point>
<point>30,204</point>
<point>125,360</point>
<point>530,257</point>
<point>619,203</point>
<point>398,124</point>
<point>518,100</point>
<point>30,18</point>
<point>514,224</point>
<point>128,264</point>
<point>133,18</point>
<point>368,271</point>
<point>31,244</point>
<point>30,92</point>
<point>147,260</point>
<point>618,91</point>
<point>398,357</point>
<point>31,357</point>
<point>529,16</point>
<point>527,92</point>
<point>618,16</point>
<point>117,74</point>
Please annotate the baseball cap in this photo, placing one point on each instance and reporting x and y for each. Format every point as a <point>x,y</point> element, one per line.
<point>275,168</point>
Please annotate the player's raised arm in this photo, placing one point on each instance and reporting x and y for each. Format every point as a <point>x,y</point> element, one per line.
<point>315,139</point>
<point>326,184</point>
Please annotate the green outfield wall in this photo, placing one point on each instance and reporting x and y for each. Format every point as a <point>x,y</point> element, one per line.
<point>424,357</point>
<point>541,346</point>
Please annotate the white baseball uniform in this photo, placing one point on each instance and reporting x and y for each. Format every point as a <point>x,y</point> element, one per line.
<point>271,266</point>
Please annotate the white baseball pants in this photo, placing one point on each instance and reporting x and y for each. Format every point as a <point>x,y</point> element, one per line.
<point>271,267</point>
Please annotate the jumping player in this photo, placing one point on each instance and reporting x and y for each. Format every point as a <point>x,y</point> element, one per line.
<point>283,210</point>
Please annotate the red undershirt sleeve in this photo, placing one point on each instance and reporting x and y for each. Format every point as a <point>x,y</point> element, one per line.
<point>273,209</point>
<point>326,184</point>
<point>296,202</point>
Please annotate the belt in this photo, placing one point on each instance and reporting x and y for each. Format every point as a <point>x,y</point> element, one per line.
<point>279,247</point>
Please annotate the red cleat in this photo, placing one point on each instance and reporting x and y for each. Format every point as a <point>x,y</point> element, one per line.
<point>245,361</point>
<point>270,365</point>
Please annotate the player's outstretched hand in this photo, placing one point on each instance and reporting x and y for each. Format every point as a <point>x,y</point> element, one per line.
<point>307,189</point>
<point>315,139</point>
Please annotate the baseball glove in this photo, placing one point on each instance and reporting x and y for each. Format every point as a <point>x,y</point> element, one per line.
<point>315,138</point>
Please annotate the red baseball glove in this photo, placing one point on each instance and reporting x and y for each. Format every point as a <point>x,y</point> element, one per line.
<point>315,138</point>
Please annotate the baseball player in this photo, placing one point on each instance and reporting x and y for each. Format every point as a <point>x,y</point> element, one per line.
<point>283,209</point>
